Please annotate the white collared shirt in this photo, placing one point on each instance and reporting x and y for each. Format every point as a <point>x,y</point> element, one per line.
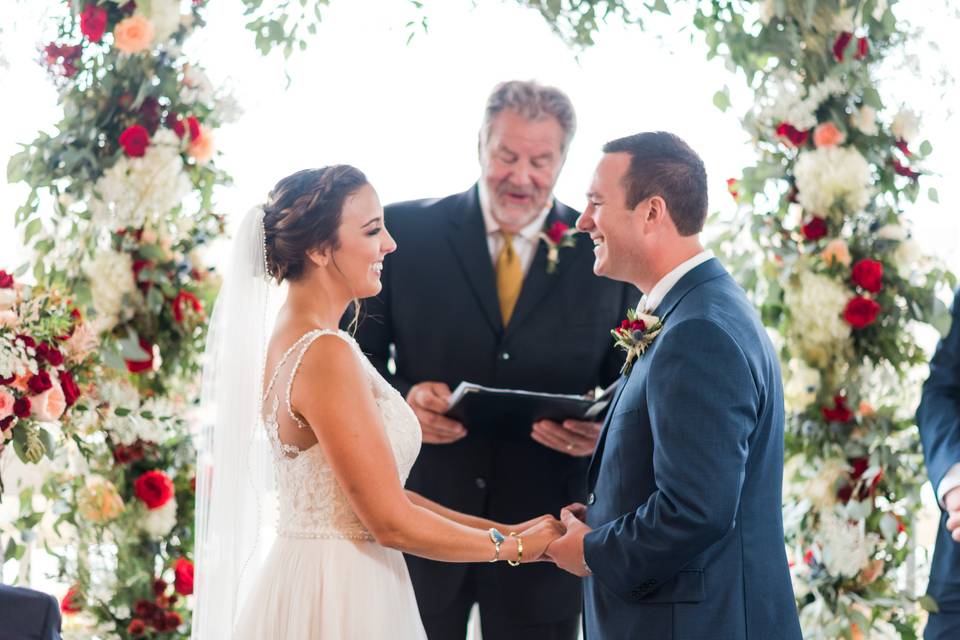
<point>950,481</point>
<point>524,242</point>
<point>650,301</point>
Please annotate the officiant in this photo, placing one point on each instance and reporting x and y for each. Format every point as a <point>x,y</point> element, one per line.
<point>491,286</point>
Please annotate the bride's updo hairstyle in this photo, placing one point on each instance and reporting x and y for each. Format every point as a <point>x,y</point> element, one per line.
<point>303,212</point>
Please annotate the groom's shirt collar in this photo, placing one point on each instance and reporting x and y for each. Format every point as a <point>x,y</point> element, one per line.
<point>660,290</point>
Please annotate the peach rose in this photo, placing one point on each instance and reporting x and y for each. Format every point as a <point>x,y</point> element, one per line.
<point>866,409</point>
<point>20,382</point>
<point>836,251</point>
<point>8,298</point>
<point>6,405</point>
<point>79,345</point>
<point>49,405</point>
<point>8,319</point>
<point>827,135</point>
<point>133,34</point>
<point>98,501</point>
<point>201,149</point>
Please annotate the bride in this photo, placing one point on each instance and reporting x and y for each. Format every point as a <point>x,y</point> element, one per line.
<point>296,411</point>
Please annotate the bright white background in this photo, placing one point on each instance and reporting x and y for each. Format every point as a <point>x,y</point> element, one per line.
<point>408,114</point>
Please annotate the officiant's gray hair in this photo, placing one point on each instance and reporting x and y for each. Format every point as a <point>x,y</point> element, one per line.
<point>533,101</point>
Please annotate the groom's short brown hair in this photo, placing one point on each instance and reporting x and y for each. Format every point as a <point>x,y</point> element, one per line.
<point>661,164</point>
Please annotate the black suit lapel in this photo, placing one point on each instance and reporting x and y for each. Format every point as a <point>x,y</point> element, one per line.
<point>537,283</point>
<point>468,235</point>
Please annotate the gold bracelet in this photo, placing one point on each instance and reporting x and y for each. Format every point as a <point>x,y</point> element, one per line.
<point>519,551</point>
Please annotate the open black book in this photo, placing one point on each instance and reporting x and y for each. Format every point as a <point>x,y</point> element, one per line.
<point>510,413</point>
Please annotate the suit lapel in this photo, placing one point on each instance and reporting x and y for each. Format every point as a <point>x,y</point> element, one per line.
<point>601,441</point>
<point>468,235</point>
<point>537,283</point>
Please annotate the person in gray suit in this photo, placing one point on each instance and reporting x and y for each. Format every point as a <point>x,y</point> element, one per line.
<point>682,534</point>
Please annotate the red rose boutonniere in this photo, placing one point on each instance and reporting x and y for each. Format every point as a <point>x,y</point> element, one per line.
<point>558,236</point>
<point>635,334</point>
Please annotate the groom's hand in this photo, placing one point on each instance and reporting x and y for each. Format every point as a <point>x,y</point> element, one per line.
<point>429,401</point>
<point>567,552</point>
<point>574,437</point>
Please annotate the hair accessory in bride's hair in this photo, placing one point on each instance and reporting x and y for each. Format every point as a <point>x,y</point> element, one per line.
<point>263,235</point>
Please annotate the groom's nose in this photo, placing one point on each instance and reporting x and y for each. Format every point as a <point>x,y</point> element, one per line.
<point>585,221</point>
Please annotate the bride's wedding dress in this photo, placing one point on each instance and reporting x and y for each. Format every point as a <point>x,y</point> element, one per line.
<point>325,576</point>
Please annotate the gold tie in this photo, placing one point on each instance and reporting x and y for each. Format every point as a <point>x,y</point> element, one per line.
<point>509,278</point>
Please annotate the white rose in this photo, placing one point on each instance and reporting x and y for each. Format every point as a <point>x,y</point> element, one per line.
<point>801,385</point>
<point>165,17</point>
<point>906,125</point>
<point>159,522</point>
<point>832,176</point>
<point>908,256</point>
<point>8,298</point>
<point>865,119</point>
<point>847,547</point>
<point>892,232</point>
<point>111,279</point>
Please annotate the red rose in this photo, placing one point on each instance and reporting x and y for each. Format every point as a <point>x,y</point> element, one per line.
<point>49,353</point>
<point>93,22</point>
<point>903,170</point>
<point>144,608</point>
<point>7,380</point>
<point>556,232</point>
<point>175,123</point>
<point>638,325</point>
<point>796,137</point>
<point>150,114</point>
<point>126,455</point>
<point>843,40</point>
<point>183,581</point>
<point>625,325</point>
<point>21,407</point>
<point>71,602</point>
<point>6,280</point>
<point>839,412</point>
<point>178,302</point>
<point>194,126</point>
<point>861,312</point>
<point>869,275</point>
<point>70,389</point>
<point>6,423</point>
<point>863,47</point>
<point>808,557</point>
<point>27,341</point>
<point>173,620</point>
<point>135,139</point>
<point>159,586</point>
<point>904,149</point>
<point>139,366</point>
<point>732,188</point>
<point>815,229</point>
<point>40,382</point>
<point>154,488</point>
<point>137,627</point>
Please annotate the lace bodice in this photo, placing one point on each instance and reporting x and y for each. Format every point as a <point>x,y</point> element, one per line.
<point>311,503</point>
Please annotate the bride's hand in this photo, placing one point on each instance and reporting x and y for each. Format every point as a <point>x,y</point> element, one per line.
<point>527,524</point>
<point>538,537</point>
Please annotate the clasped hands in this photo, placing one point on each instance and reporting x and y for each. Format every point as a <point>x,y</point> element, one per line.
<point>547,539</point>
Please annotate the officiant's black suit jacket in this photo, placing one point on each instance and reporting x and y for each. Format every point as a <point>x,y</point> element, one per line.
<point>438,315</point>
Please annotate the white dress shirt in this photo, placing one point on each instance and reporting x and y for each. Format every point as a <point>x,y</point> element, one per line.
<point>650,301</point>
<point>524,242</point>
<point>950,481</point>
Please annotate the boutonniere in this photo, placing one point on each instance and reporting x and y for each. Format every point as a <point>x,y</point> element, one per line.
<point>635,334</point>
<point>558,236</point>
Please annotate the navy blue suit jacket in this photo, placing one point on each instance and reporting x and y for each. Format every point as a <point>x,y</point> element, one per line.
<point>685,484</point>
<point>26,614</point>
<point>939,420</point>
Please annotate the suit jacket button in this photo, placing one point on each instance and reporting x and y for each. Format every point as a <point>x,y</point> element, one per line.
<point>591,498</point>
<point>481,483</point>
<point>504,356</point>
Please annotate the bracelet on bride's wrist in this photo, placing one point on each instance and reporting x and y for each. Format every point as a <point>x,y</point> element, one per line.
<point>519,551</point>
<point>497,539</point>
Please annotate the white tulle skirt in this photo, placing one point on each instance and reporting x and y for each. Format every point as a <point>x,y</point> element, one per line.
<point>322,589</point>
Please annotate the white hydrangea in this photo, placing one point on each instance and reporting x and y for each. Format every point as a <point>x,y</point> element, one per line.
<point>15,359</point>
<point>197,87</point>
<point>816,303</point>
<point>832,175</point>
<point>8,298</point>
<point>119,393</point>
<point>158,523</point>
<point>111,278</point>
<point>906,125</point>
<point>164,15</point>
<point>892,232</point>
<point>796,106</point>
<point>865,119</point>
<point>137,191</point>
<point>847,547</point>
<point>801,384</point>
<point>821,488</point>
<point>908,257</point>
<point>226,108</point>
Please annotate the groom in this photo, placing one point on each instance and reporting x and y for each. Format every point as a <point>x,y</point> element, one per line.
<point>682,535</point>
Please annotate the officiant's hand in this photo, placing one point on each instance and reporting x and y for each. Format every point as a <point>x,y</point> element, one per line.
<point>429,401</point>
<point>577,438</point>
<point>952,502</point>
<point>567,551</point>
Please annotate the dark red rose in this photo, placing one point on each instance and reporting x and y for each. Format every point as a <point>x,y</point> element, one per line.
<point>50,354</point>
<point>93,22</point>
<point>839,413</point>
<point>638,325</point>
<point>159,586</point>
<point>125,455</point>
<point>868,274</point>
<point>904,149</point>
<point>70,389</point>
<point>815,229</point>
<point>863,48</point>
<point>6,423</point>
<point>150,114</point>
<point>194,125</point>
<point>137,628</point>
<point>40,382</point>
<point>139,366</point>
<point>71,602</point>
<point>861,312</point>
<point>135,139</point>
<point>27,341</point>
<point>902,170</point>
<point>21,407</point>
<point>174,122</point>
<point>193,484</point>
<point>808,557</point>
<point>154,488</point>
<point>796,137</point>
<point>557,231</point>
<point>840,45</point>
<point>7,380</point>
<point>185,297</point>
<point>173,620</point>
<point>6,280</point>
<point>183,581</point>
<point>625,325</point>
<point>144,609</point>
